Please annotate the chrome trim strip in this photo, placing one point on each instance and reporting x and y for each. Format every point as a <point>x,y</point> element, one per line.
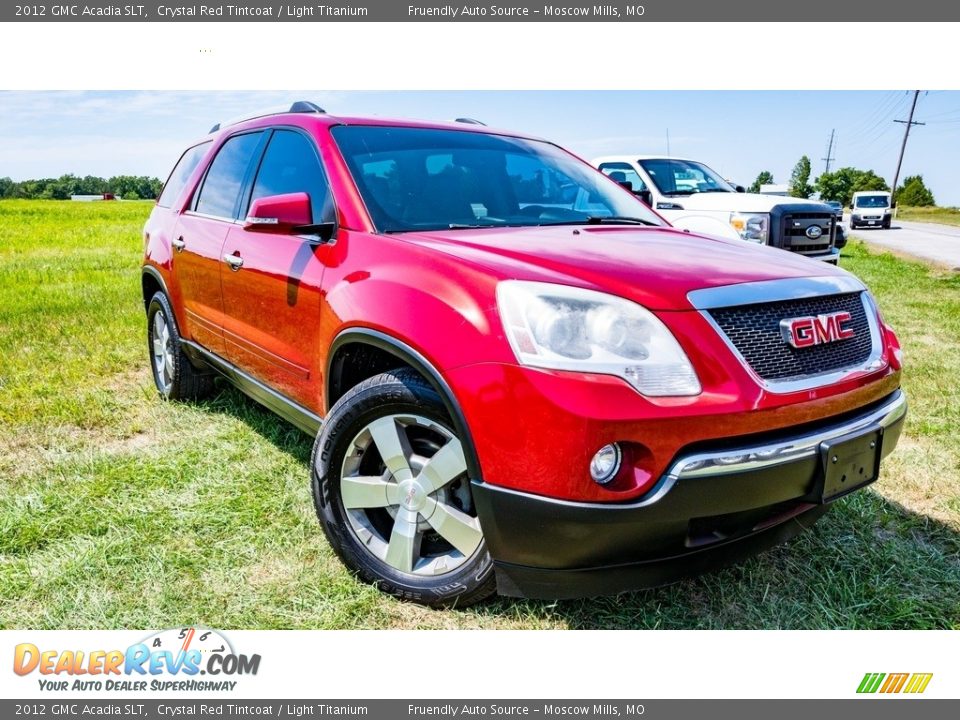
<point>764,291</point>
<point>792,289</point>
<point>746,459</point>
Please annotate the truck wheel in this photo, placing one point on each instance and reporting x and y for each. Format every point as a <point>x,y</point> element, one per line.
<point>392,494</point>
<point>175,377</point>
<point>886,224</point>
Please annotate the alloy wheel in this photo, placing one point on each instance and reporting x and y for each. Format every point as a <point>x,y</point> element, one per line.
<point>163,359</point>
<point>405,490</point>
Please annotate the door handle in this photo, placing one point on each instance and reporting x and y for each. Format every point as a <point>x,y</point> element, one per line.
<point>234,261</point>
<point>178,244</point>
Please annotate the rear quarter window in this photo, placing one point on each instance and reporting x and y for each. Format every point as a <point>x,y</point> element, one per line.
<point>181,174</point>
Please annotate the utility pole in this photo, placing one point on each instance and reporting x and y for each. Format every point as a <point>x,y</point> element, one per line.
<point>668,142</point>
<point>829,158</point>
<point>909,123</point>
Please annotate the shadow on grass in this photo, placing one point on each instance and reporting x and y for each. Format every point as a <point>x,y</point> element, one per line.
<point>868,564</point>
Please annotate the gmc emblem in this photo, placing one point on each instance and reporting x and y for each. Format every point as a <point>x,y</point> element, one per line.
<point>816,330</point>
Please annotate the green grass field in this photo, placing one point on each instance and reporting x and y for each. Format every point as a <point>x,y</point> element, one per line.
<point>119,510</point>
<point>944,216</point>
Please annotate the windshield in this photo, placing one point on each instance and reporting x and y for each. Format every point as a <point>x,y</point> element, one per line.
<point>873,201</point>
<point>422,179</point>
<point>684,177</point>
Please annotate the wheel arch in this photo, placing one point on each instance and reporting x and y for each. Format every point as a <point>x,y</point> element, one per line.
<point>386,346</point>
<point>151,282</point>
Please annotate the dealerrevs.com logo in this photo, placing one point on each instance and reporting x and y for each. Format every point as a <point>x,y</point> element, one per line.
<point>182,659</point>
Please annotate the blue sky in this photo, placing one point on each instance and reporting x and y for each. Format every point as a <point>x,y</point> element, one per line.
<point>738,133</point>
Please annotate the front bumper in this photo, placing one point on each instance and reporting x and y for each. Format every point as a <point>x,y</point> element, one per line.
<point>713,506</point>
<point>831,256</point>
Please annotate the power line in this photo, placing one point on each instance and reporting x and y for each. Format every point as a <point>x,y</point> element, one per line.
<point>908,123</point>
<point>863,140</point>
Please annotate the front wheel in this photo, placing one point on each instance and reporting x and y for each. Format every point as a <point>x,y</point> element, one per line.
<point>392,493</point>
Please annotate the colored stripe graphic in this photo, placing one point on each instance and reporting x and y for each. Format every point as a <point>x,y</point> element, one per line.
<point>870,682</point>
<point>894,683</point>
<point>918,682</point>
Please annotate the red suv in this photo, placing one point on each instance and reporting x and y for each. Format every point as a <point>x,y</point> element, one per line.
<point>519,376</point>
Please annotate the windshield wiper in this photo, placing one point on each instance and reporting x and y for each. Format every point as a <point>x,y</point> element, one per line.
<point>618,220</point>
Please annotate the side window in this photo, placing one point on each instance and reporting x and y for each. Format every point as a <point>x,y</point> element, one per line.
<point>181,173</point>
<point>290,165</point>
<point>220,193</point>
<point>623,172</point>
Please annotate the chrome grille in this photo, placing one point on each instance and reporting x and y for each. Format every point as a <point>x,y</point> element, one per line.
<point>754,330</point>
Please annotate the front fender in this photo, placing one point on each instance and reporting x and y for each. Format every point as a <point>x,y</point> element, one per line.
<point>436,316</point>
<point>706,225</point>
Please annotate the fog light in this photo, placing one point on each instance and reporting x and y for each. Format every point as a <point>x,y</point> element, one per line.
<point>605,464</point>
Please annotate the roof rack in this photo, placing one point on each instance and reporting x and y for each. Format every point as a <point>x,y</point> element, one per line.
<point>300,106</point>
<point>470,121</point>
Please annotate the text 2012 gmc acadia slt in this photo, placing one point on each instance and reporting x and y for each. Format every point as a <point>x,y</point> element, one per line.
<point>520,377</point>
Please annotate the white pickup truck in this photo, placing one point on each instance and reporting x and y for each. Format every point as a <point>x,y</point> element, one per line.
<point>693,197</point>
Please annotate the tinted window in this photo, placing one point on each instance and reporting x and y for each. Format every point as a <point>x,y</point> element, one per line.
<point>291,165</point>
<point>181,173</point>
<point>221,188</point>
<point>872,201</point>
<point>419,178</point>
<point>624,173</point>
<point>684,177</point>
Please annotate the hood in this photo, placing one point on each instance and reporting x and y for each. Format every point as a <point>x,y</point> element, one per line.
<point>655,267</point>
<point>740,202</point>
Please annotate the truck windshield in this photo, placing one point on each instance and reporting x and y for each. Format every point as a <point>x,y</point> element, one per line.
<point>424,179</point>
<point>684,177</point>
<point>873,201</point>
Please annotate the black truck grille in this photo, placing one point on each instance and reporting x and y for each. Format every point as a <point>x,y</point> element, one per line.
<point>794,235</point>
<point>754,331</point>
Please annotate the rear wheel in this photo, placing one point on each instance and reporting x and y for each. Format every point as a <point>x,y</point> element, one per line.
<point>173,374</point>
<point>393,496</point>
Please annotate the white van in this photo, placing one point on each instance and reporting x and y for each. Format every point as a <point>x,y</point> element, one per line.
<point>871,208</point>
<point>692,196</point>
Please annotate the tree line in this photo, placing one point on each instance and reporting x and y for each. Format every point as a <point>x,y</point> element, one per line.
<point>840,185</point>
<point>128,187</point>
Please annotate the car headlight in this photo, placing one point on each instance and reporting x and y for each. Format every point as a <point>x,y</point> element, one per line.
<point>566,328</point>
<point>754,227</point>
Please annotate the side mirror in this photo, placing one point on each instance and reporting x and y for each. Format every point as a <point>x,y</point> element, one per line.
<point>740,189</point>
<point>646,196</point>
<point>279,213</point>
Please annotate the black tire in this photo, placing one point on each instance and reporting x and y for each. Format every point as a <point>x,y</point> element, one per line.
<point>185,382</point>
<point>393,393</point>
<point>886,224</point>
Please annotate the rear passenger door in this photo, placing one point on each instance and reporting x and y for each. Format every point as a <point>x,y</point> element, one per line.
<point>272,291</point>
<point>201,232</point>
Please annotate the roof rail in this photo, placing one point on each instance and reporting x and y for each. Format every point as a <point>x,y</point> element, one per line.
<point>470,121</point>
<point>300,106</point>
